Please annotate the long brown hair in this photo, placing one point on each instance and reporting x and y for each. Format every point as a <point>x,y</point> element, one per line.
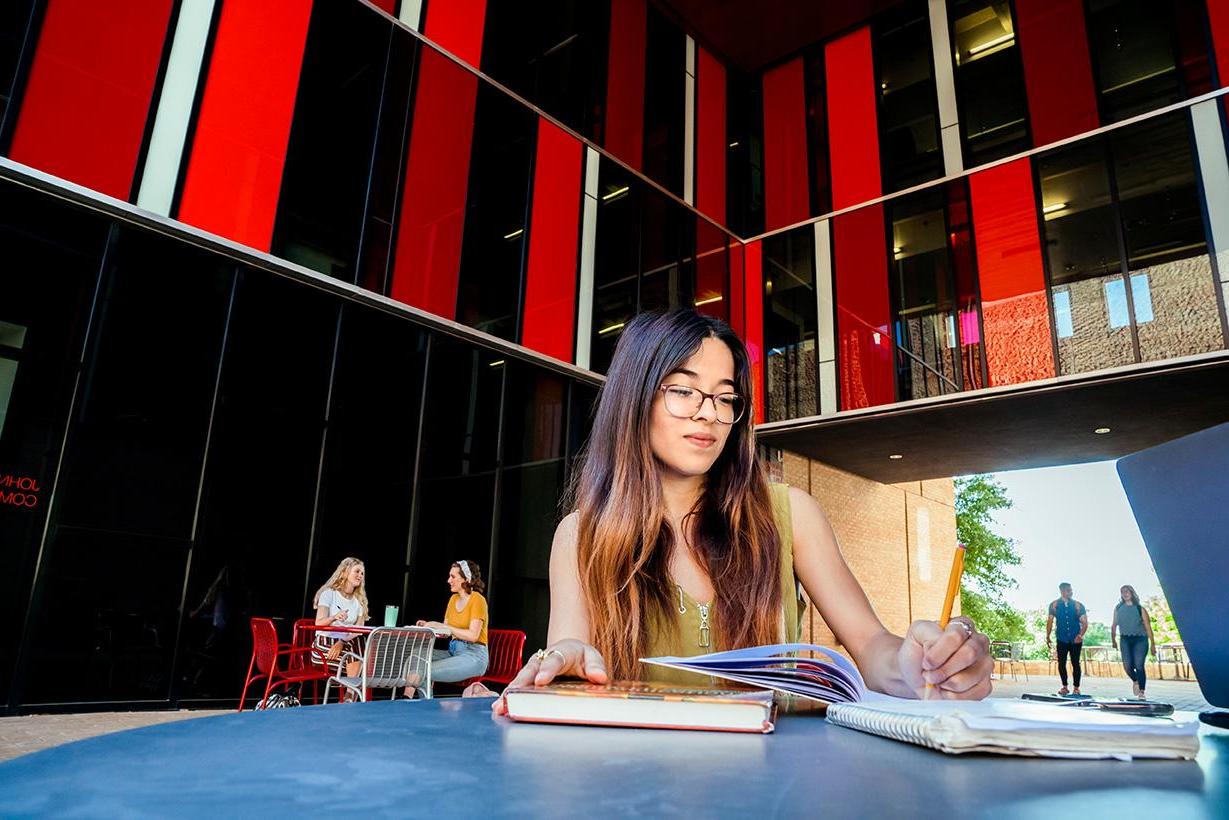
<point>1134,594</point>
<point>623,537</point>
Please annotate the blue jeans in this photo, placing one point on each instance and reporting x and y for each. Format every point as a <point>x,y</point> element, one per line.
<point>1134,657</point>
<point>461,660</point>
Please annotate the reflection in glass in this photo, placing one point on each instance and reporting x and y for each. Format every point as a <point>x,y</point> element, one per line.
<point>908,105</point>
<point>790,324</point>
<point>1173,286</point>
<point>1081,235</point>
<point>989,80</point>
<point>664,106</point>
<point>667,242</point>
<point>52,255</point>
<point>923,298</point>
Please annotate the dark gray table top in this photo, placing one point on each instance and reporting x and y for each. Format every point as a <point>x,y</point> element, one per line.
<point>450,758</point>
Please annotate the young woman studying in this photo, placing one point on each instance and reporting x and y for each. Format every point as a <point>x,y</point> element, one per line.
<point>676,544</point>
<point>465,623</point>
<point>342,600</point>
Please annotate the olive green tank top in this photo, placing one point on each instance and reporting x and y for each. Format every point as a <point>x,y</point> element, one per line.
<point>690,625</point>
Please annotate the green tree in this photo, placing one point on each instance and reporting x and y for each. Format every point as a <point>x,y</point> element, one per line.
<point>987,559</point>
<point>1164,628</point>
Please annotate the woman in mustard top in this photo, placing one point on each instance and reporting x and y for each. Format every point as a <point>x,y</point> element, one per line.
<point>676,543</point>
<point>465,623</point>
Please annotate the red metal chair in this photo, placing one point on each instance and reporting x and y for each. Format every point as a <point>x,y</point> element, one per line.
<point>304,637</point>
<point>505,648</point>
<point>267,655</point>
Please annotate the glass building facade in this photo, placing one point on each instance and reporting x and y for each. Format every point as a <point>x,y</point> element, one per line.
<point>296,280</point>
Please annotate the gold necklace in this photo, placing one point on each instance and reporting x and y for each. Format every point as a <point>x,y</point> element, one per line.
<point>703,609</point>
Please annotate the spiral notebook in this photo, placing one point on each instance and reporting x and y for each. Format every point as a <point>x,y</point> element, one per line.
<point>1015,727</point>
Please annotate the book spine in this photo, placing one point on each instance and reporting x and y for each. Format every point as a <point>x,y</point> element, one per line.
<point>909,728</point>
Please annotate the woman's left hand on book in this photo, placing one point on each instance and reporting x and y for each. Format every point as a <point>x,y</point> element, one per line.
<point>955,661</point>
<point>566,658</point>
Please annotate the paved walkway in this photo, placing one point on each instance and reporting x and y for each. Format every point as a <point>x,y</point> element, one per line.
<point>30,733</point>
<point>1182,694</point>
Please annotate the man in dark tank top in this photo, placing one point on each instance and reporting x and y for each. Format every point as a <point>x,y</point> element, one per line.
<point>1072,620</point>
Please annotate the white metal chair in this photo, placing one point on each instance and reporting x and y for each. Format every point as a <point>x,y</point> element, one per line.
<point>395,657</point>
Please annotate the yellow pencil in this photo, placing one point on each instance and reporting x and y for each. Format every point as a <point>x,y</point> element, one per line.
<point>953,587</point>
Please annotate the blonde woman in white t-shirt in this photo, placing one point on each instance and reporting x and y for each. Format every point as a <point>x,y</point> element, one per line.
<point>342,600</point>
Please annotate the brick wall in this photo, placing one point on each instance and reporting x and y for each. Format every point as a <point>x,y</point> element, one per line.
<point>897,539</point>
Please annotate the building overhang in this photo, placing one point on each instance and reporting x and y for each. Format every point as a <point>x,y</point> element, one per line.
<point>1038,424</point>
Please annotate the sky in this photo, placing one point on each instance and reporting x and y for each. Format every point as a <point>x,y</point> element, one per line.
<point>1073,524</point>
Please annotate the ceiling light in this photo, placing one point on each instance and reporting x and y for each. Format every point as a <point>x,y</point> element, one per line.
<point>734,144</point>
<point>1101,431</point>
<point>896,456</point>
<point>1055,208</point>
<point>989,44</point>
<point>514,234</point>
<point>497,363</point>
<point>708,301</point>
<point>611,329</point>
<point>616,192</point>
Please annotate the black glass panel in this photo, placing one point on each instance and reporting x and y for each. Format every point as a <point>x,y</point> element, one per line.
<point>554,57</point>
<point>456,485</point>
<point>497,213</point>
<point>989,80</point>
<point>616,264</point>
<point>1135,48</point>
<point>366,488</point>
<point>260,477</point>
<point>105,625</point>
<point>790,324</point>
<point>667,242</point>
<point>535,418</point>
<point>924,303</point>
<point>52,255</point>
<point>664,104</point>
<point>328,162</point>
<point>15,19</point>
<point>817,133</point>
<point>908,105</point>
<point>142,415</point>
<point>386,165</point>
<point>745,153</point>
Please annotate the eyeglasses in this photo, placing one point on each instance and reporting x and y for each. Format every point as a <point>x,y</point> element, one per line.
<point>684,402</point>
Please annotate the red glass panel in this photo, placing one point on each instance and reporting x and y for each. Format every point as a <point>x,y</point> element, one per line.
<point>436,180</point>
<point>389,6</point>
<point>710,135</point>
<point>786,190</point>
<point>234,174</point>
<point>863,309</point>
<point>550,287</point>
<point>456,25</point>
<point>853,131</point>
<point>88,99</point>
<point>1218,22</point>
<point>753,320</point>
<point>1013,288</point>
<point>624,133</point>
<point>1057,69</point>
